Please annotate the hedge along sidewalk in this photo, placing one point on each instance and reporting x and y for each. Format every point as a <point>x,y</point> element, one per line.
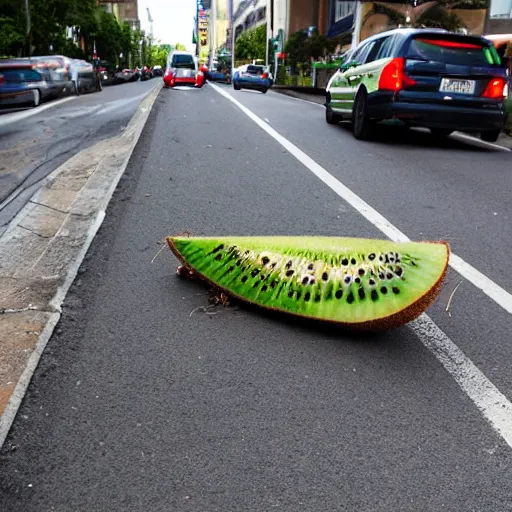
<point>42,249</point>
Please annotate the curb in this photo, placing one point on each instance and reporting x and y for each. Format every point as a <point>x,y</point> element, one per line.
<point>43,248</point>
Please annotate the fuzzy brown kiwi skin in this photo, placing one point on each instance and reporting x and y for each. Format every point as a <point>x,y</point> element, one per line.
<point>403,317</point>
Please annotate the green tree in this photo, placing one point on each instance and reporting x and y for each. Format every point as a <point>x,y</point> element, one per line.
<point>180,47</point>
<point>251,44</point>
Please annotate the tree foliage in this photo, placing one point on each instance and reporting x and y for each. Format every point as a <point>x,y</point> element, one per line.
<point>251,44</point>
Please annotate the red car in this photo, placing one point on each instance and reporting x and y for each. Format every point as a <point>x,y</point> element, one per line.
<point>182,70</point>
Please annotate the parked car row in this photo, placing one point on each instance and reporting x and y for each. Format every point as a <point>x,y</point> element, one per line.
<point>422,77</point>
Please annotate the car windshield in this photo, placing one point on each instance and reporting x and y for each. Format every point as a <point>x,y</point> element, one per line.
<point>254,70</point>
<point>19,75</point>
<point>183,61</point>
<point>460,51</point>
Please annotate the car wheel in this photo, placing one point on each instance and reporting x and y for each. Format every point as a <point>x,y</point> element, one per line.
<point>264,91</point>
<point>236,86</point>
<point>331,117</point>
<point>440,133</point>
<point>361,123</point>
<point>37,97</point>
<point>491,136</point>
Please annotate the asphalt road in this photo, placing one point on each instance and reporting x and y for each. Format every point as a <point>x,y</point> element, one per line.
<point>144,400</point>
<point>34,142</point>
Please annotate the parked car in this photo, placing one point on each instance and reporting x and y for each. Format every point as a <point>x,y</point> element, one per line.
<point>84,77</point>
<point>107,73</point>
<point>251,76</point>
<point>182,70</point>
<point>26,82</point>
<point>158,71</point>
<point>146,74</point>
<point>422,77</point>
<point>127,75</point>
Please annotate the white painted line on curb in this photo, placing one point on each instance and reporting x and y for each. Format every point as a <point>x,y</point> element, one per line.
<point>7,119</point>
<point>488,399</point>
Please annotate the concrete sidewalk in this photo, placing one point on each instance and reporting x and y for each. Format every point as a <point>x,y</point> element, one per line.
<point>42,249</point>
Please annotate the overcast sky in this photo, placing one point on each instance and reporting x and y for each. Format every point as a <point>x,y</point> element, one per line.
<point>173,20</point>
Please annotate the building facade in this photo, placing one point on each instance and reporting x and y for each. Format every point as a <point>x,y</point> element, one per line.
<point>500,17</point>
<point>125,11</point>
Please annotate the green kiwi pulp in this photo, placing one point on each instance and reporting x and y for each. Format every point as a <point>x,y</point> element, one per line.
<point>359,282</point>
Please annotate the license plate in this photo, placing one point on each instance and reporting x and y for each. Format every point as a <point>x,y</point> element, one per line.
<point>457,86</point>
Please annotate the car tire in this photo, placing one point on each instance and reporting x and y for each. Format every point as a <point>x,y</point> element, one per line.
<point>490,136</point>
<point>264,91</point>
<point>37,97</point>
<point>361,123</point>
<point>331,117</point>
<point>440,133</point>
<point>236,86</point>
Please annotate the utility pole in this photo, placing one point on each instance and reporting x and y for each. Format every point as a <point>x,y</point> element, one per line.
<point>27,10</point>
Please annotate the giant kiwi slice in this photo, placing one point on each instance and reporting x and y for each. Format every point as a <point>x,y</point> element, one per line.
<point>360,283</point>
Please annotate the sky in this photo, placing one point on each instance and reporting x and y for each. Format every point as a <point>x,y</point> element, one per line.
<point>173,20</point>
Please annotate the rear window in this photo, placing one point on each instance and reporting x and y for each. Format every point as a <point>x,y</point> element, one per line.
<point>462,52</point>
<point>183,61</point>
<point>17,75</point>
<point>255,70</point>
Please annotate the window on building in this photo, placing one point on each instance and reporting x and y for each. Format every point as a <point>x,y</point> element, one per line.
<point>501,9</point>
<point>343,8</point>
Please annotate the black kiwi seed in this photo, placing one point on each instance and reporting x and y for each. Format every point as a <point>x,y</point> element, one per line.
<point>350,298</point>
<point>353,261</point>
<point>347,279</point>
<point>299,294</point>
<point>325,276</point>
<point>374,295</point>
<point>344,262</point>
<point>230,269</point>
<point>371,257</point>
<point>305,280</point>
<point>413,263</point>
<point>289,264</point>
<point>396,290</point>
<point>289,273</point>
<point>307,296</point>
<point>238,263</point>
<point>381,275</point>
<point>312,281</point>
<point>290,294</point>
<point>255,272</point>
<point>218,248</point>
<point>264,260</point>
<point>384,290</point>
<point>246,253</point>
<point>389,275</point>
<point>372,282</point>
<point>317,298</point>
<point>263,277</point>
<point>361,293</point>
<point>244,278</point>
<point>255,285</point>
<point>311,266</point>
<point>273,284</point>
<point>357,280</point>
<point>264,288</point>
<point>339,294</point>
<point>398,271</point>
<point>273,265</point>
<point>381,258</point>
<point>218,257</point>
<point>361,271</point>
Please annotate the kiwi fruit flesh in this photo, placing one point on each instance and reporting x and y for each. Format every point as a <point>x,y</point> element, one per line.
<point>357,282</point>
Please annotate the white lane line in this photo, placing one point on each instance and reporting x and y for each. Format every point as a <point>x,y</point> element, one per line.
<point>456,135</point>
<point>18,116</point>
<point>482,282</point>
<point>488,399</point>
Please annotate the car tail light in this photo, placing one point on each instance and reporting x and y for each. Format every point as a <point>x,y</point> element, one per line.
<point>495,89</point>
<point>393,77</point>
<point>451,44</point>
<point>264,74</point>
